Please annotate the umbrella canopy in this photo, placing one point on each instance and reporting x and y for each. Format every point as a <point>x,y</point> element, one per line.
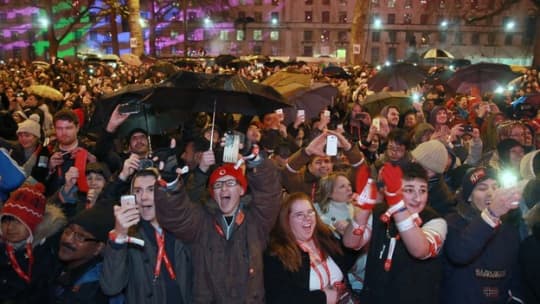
<point>375,102</point>
<point>45,91</point>
<point>275,63</point>
<point>401,76</point>
<point>164,67</point>
<point>238,64</point>
<point>437,53</point>
<point>485,76</point>
<point>301,93</point>
<point>200,92</point>
<point>132,93</point>
<point>224,60</point>
<point>335,72</point>
<point>131,59</point>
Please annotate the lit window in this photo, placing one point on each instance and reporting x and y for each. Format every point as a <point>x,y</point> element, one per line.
<point>257,35</point>
<point>224,35</point>
<point>239,35</point>
<point>274,35</point>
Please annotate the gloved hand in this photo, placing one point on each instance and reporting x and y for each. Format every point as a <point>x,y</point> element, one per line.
<point>391,176</point>
<point>366,187</point>
<point>255,158</point>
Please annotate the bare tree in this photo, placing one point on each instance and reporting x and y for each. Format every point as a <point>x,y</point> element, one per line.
<point>358,32</point>
<point>134,19</point>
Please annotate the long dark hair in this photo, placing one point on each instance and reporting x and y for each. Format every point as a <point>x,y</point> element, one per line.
<point>283,243</point>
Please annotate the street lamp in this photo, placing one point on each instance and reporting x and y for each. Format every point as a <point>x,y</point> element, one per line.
<point>274,21</point>
<point>444,24</point>
<point>509,25</point>
<point>377,23</point>
<point>43,22</point>
<point>207,21</point>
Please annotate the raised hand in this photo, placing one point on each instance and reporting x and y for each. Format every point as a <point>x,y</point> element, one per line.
<point>72,174</point>
<point>126,216</point>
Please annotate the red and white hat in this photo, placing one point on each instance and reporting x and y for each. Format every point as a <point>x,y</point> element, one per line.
<point>26,204</point>
<point>227,169</point>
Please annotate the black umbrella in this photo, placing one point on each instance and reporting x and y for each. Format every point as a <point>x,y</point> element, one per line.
<point>147,118</point>
<point>275,63</point>
<point>224,60</point>
<point>335,72</point>
<point>485,76</point>
<point>401,76</point>
<point>200,92</point>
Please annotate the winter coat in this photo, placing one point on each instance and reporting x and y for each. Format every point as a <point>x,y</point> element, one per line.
<point>409,280</point>
<point>284,286</point>
<point>481,262</point>
<point>15,289</point>
<point>131,268</point>
<point>440,197</point>
<point>225,271</point>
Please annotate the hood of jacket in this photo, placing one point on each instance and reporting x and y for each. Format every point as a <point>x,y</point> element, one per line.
<point>53,220</point>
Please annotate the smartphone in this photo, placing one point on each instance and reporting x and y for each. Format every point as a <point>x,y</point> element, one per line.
<point>331,145</point>
<point>301,114</point>
<point>129,108</point>
<point>231,148</point>
<point>376,123</point>
<point>127,200</point>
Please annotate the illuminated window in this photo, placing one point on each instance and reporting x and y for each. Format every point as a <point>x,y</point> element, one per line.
<point>391,3</point>
<point>308,16</point>
<point>325,16</point>
<point>240,35</point>
<point>442,4</point>
<point>257,35</point>
<point>224,35</point>
<point>274,35</point>
<point>375,3</point>
<point>325,36</point>
<point>407,19</point>
<point>274,16</point>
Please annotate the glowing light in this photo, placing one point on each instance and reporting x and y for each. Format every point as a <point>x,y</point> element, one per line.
<point>43,22</point>
<point>387,63</point>
<point>143,23</point>
<point>499,90</point>
<point>452,67</point>
<point>510,25</point>
<point>378,67</point>
<point>444,24</point>
<point>377,23</point>
<point>274,21</point>
<point>207,21</point>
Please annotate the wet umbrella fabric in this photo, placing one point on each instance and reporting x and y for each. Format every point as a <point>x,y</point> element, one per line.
<point>375,102</point>
<point>200,92</point>
<point>437,53</point>
<point>45,91</point>
<point>335,72</point>
<point>401,76</point>
<point>482,75</point>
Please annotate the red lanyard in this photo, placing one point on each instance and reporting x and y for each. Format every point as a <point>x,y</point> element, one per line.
<point>15,264</point>
<point>162,256</point>
<point>314,257</point>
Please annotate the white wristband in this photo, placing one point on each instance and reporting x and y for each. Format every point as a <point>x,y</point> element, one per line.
<point>406,224</point>
<point>494,223</point>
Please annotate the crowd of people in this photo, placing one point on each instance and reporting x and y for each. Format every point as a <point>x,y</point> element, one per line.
<point>435,204</point>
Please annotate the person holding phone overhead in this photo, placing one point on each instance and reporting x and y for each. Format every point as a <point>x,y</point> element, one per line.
<point>160,270</point>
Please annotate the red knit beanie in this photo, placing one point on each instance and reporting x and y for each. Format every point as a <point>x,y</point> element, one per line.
<point>26,204</point>
<point>227,169</point>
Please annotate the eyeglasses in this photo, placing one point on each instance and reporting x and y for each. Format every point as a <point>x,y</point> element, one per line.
<point>229,183</point>
<point>301,216</point>
<point>77,236</point>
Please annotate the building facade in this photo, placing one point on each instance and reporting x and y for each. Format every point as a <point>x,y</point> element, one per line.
<point>398,30</point>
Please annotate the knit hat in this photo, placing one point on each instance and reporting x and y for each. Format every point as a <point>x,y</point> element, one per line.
<point>26,204</point>
<point>530,165</point>
<point>99,168</point>
<point>136,130</point>
<point>30,126</point>
<point>227,169</point>
<point>420,130</point>
<point>97,221</point>
<point>431,155</point>
<point>473,177</point>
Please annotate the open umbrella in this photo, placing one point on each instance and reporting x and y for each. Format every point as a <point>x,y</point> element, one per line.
<point>224,60</point>
<point>335,72</point>
<point>301,93</point>
<point>164,67</point>
<point>200,92</point>
<point>375,102</point>
<point>275,63</point>
<point>485,76</point>
<point>45,91</point>
<point>133,93</point>
<point>131,59</point>
<point>401,76</point>
<point>436,53</point>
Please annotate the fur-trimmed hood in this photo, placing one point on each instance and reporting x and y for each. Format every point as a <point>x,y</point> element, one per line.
<point>53,220</point>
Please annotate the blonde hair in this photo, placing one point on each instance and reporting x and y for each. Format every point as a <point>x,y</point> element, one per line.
<point>325,189</point>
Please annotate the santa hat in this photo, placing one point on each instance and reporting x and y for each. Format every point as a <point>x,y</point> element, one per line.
<point>26,204</point>
<point>227,169</point>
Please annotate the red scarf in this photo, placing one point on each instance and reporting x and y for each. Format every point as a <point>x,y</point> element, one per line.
<point>15,265</point>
